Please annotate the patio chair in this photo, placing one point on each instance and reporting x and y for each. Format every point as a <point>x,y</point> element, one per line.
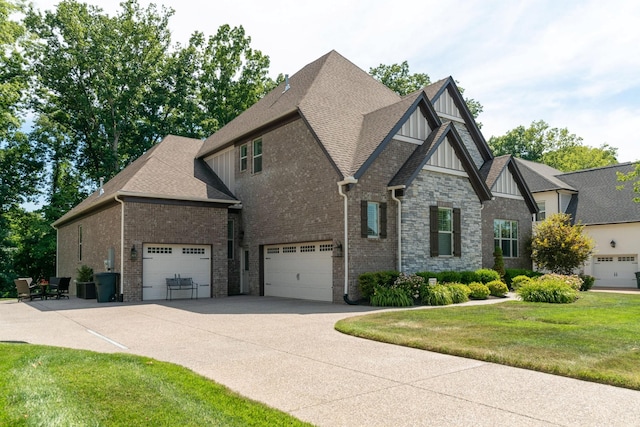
<point>62,291</point>
<point>24,291</point>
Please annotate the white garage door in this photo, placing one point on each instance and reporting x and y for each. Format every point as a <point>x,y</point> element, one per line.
<point>300,270</point>
<point>615,271</point>
<point>162,261</point>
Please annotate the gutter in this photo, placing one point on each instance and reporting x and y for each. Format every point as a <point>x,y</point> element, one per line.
<point>399,202</point>
<point>121,245</point>
<point>350,180</point>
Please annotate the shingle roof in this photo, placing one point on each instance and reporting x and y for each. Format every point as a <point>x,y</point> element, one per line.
<point>598,201</point>
<point>168,170</point>
<point>491,170</point>
<point>540,177</point>
<point>349,111</point>
<point>333,95</point>
<point>411,168</point>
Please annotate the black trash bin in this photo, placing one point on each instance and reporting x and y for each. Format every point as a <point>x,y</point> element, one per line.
<point>106,285</point>
<point>638,279</point>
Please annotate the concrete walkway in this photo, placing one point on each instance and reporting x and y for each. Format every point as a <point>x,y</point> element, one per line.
<point>286,354</point>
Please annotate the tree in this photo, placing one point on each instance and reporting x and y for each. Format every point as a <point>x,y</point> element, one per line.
<point>559,246</point>
<point>555,147</point>
<point>398,78</point>
<point>632,176</point>
<point>580,157</point>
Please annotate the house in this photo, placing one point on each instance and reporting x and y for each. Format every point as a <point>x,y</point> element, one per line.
<point>328,176</point>
<point>610,216</point>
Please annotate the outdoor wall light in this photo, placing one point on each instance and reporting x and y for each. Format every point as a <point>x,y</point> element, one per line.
<point>613,243</point>
<point>338,247</point>
<point>134,253</point>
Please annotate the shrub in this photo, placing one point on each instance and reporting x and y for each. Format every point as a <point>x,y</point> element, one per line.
<point>467,277</point>
<point>518,281</point>
<point>449,277</point>
<point>510,273</point>
<point>551,291</point>
<point>459,292</point>
<point>497,288</point>
<point>390,297</point>
<point>84,273</point>
<point>368,281</point>
<point>486,275</point>
<point>587,282</point>
<point>436,295</point>
<point>572,280</point>
<point>410,284</point>
<point>426,275</point>
<point>478,291</point>
<point>498,261</point>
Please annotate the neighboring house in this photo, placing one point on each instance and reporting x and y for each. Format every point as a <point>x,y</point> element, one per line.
<point>610,216</point>
<point>330,175</point>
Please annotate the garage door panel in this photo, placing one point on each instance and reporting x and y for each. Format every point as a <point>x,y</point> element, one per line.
<point>615,271</point>
<point>162,261</point>
<point>301,271</point>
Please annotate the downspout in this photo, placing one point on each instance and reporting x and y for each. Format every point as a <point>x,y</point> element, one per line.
<point>399,202</point>
<point>347,181</point>
<point>121,245</point>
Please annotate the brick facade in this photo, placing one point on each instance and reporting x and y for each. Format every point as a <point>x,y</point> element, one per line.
<point>509,209</point>
<point>433,188</point>
<point>100,232</point>
<point>145,222</point>
<point>293,199</point>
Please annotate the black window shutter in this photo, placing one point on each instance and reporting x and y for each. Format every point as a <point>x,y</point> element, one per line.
<point>364,224</point>
<point>383,220</point>
<point>433,230</point>
<point>457,235</point>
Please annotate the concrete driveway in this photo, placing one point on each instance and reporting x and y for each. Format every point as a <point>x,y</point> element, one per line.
<point>286,354</point>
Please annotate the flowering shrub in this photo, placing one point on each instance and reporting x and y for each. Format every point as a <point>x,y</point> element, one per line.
<point>574,281</point>
<point>410,284</point>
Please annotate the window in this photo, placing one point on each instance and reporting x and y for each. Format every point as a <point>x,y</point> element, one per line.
<point>373,219</point>
<point>243,157</point>
<point>80,242</point>
<point>445,237</point>
<point>542,213</point>
<point>257,156</point>
<point>505,235</point>
<point>230,239</point>
<point>445,231</point>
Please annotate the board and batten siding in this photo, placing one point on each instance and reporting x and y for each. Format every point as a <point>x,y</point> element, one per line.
<point>446,107</point>
<point>223,164</point>
<point>506,186</point>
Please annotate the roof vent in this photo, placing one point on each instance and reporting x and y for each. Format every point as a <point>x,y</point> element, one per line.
<point>286,83</point>
<point>101,185</point>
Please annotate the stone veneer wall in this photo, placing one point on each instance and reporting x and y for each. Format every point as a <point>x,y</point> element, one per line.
<point>431,188</point>
<point>469,144</point>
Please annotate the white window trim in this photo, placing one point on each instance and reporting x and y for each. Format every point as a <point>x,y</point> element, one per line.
<point>377,210</point>
<point>449,233</point>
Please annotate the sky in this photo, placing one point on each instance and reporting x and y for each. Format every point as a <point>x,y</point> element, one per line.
<point>573,64</point>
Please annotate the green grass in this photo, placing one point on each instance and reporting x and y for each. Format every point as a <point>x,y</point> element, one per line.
<point>50,386</point>
<point>597,338</point>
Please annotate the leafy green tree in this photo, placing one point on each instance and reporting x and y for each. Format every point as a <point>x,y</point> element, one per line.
<point>398,78</point>
<point>94,72</point>
<point>634,178</point>
<point>580,157</point>
<point>555,147</point>
<point>559,246</point>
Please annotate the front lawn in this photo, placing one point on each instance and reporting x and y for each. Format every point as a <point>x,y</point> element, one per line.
<point>596,338</point>
<point>50,386</point>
